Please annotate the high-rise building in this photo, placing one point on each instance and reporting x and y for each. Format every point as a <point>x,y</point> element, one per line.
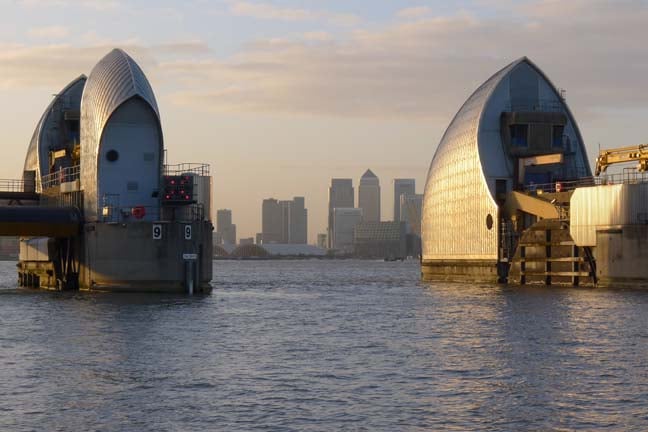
<point>298,221</point>
<point>284,221</point>
<point>285,207</point>
<point>369,197</point>
<point>344,223</point>
<point>224,226</point>
<point>402,186</point>
<point>410,211</point>
<point>341,195</point>
<point>271,221</point>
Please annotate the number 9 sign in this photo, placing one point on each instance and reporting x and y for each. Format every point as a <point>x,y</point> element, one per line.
<point>157,232</point>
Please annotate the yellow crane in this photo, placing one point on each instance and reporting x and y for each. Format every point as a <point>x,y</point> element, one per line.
<point>638,153</point>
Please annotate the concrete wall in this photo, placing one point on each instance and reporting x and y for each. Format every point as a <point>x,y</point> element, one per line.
<point>127,257</point>
<point>621,255</point>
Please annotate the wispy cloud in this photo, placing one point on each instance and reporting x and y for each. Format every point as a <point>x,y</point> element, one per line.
<point>414,12</point>
<point>266,11</point>
<point>49,32</point>
<point>421,68</point>
<point>100,5</point>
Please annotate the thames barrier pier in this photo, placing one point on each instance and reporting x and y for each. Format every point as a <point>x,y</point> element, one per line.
<point>510,195</point>
<point>98,208</point>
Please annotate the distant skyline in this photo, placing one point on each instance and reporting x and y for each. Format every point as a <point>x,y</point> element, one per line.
<point>281,96</point>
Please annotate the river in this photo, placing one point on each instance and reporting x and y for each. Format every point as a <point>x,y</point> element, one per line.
<point>323,346</point>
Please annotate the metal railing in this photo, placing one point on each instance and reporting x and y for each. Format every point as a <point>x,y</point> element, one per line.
<point>14,185</point>
<point>630,177</point>
<point>121,214</point>
<point>63,175</point>
<point>187,168</point>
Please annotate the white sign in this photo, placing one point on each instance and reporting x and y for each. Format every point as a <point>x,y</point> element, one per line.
<point>187,232</point>
<point>190,256</point>
<point>157,232</point>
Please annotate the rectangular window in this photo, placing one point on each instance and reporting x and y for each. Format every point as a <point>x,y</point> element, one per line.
<point>557,136</point>
<point>519,135</point>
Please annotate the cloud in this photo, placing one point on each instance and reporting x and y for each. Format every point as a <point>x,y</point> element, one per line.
<point>100,5</point>
<point>265,11</point>
<point>49,32</point>
<point>421,69</point>
<point>429,66</point>
<point>24,65</point>
<point>414,12</point>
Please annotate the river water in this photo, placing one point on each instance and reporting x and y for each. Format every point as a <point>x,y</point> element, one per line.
<point>324,346</point>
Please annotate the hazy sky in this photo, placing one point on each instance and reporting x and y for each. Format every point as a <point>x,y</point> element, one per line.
<point>280,96</point>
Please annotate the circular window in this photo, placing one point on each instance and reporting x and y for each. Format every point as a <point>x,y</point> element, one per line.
<point>112,155</point>
<point>489,221</point>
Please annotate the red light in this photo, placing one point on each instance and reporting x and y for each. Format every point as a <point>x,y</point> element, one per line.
<point>168,196</point>
<point>187,197</point>
<point>172,182</point>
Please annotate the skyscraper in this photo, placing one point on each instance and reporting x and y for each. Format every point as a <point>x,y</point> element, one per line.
<point>224,226</point>
<point>298,221</point>
<point>344,223</point>
<point>369,197</point>
<point>340,196</point>
<point>402,186</point>
<point>410,211</point>
<point>284,221</point>
<point>271,221</point>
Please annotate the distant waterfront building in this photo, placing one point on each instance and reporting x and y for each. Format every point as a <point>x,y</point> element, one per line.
<point>402,186</point>
<point>259,238</point>
<point>298,221</point>
<point>369,197</point>
<point>410,211</point>
<point>284,221</point>
<point>341,195</point>
<point>271,221</point>
<point>225,227</point>
<point>246,241</point>
<point>380,240</point>
<point>322,241</point>
<point>344,223</point>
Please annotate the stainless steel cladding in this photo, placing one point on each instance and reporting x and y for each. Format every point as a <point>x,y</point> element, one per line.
<point>460,212</point>
<point>114,80</point>
<point>48,134</point>
<point>605,207</point>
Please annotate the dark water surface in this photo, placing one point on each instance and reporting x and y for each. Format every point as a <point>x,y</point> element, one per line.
<point>324,346</point>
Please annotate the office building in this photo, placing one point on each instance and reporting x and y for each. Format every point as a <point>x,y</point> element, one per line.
<point>284,221</point>
<point>380,240</point>
<point>271,221</point>
<point>402,186</point>
<point>341,195</point>
<point>224,226</point>
<point>410,211</point>
<point>344,223</point>
<point>369,197</point>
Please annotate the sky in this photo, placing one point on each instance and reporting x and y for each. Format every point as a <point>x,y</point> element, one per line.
<point>281,96</point>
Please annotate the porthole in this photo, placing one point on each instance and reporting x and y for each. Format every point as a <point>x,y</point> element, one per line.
<point>489,221</point>
<point>112,155</point>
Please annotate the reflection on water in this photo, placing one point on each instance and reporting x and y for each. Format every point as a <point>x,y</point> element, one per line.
<point>323,345</point>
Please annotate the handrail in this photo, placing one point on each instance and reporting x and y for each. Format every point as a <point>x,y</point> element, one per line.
<point>200,169</point>
<point>630,177</point>
<point>63,175</point>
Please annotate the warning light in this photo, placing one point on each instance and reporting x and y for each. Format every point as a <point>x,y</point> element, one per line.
<point>178,190</point>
